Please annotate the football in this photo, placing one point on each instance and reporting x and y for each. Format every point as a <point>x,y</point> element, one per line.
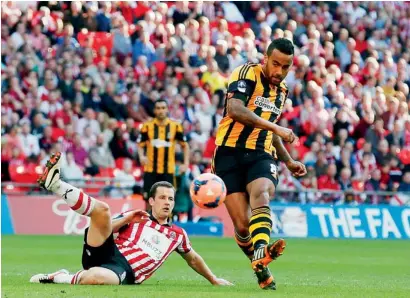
<point>208,191</point>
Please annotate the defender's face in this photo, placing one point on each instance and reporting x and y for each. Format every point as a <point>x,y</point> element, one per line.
<point>163,203</point>
<point>277,66</point>
<point>161,110</point>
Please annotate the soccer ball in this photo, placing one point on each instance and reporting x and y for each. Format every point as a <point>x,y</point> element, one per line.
<point>208,191</point>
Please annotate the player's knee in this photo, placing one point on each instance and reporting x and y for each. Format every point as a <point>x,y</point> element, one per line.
<point>263,195</point>
<point>91,277</point>
<point>102,208</point>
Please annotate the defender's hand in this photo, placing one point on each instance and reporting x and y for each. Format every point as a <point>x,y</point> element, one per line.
<point>137,216</point>
<point>297,168</point>
<point>143,160</point>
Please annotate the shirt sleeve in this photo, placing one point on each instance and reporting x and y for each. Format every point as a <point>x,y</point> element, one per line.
<point>185,245</point>
<point>179,135</point>
<point>143,136</point>
<point>242,83</point>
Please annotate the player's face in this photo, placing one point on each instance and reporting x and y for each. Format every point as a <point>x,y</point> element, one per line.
<point>163,203</point>
<point>161,110</point>
<point>277,66</point>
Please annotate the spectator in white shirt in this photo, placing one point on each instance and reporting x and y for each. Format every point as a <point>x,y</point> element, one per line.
<point>18,36</point>
<point>232,13</point>
<point>124,180</point>
<point>28,141</point>
<point>100,155</point>
<point>235,58</point>
<point>70,170</point>
<point>88,139</point>
<point>51,106</point>
<point>88,120</point>
<point>198,137</point>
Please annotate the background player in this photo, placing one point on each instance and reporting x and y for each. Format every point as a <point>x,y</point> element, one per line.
<point>248,140</point>
<point>143,244</point>
<point>156,147</point>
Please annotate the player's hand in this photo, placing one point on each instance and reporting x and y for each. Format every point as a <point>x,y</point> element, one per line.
<point>143,160</point>
<point>137,216</point>
<point>183,168</point>
<point>286,134</point>
<point>297,168</point>
<point>221,282</point>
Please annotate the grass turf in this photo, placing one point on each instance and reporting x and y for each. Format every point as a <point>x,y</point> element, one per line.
<point>324,268</point>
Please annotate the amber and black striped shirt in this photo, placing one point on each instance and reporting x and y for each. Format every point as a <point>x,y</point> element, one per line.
<point>159,141</point>
<point>248,83</point>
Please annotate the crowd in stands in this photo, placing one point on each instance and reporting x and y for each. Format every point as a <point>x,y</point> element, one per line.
<point>80,77</point>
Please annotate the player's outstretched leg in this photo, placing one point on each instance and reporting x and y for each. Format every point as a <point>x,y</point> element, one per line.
<point>92,276</point>
<point>100,226</point>
<point>98,232</point>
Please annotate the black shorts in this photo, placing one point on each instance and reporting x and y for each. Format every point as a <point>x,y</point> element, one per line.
<point>107,256</point>
<point>237,167</point>
<point>151,178</point>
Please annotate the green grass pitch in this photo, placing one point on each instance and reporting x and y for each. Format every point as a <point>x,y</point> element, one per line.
<point>309,268</point>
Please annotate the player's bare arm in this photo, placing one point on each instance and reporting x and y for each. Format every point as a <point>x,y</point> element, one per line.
<point>195,261</point>
<point>237,111</point>
<point>297,168</point>
<point>141,155</point>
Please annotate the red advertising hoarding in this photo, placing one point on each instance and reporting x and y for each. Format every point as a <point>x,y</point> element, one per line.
<point>51,215</point>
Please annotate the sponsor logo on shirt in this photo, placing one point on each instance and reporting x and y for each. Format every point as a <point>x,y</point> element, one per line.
<point>266,105</point>
<point>157,143</point>
<point>154,243</point>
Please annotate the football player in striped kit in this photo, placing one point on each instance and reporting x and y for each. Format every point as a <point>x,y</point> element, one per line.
<point>128,249</point>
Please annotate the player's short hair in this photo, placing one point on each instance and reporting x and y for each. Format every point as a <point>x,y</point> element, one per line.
<point>153,190</point>
<point>159,101</point>
<point>283,45</point>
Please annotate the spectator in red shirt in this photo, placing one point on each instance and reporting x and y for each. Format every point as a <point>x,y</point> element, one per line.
<point>64,116</point>
<point>329,182</point>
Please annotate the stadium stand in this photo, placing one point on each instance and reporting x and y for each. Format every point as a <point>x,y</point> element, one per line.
<point>81,76</point>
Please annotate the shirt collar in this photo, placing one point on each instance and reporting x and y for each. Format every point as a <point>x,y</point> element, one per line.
<point>152,218</point>
<point>157,122</point>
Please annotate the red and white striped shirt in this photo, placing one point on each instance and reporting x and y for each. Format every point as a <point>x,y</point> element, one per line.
<point>146,246</point>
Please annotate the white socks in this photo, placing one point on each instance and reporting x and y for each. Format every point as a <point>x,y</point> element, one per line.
<point>76,199</point>
<point>64,278</point>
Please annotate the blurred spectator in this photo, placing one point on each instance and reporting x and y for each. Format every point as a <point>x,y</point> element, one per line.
<point>78,151</point>
<point>90,121</point>
<point>405,184</point>
<point>47,141</point>
<point>221,56</point>
<point>143,47</point>
<point>88,139</point>
<point>396,137</point>
<point>328,182</point>
<point>100,155</point>
<point>124,181</point>
<point>374,185</point>
<point>118,145</point>
<point>376,133</point>
<point>122,41</point>
<point>30,144</point>
<point>70,170</point>
<point>345,179</point>
<point>103,17</point>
